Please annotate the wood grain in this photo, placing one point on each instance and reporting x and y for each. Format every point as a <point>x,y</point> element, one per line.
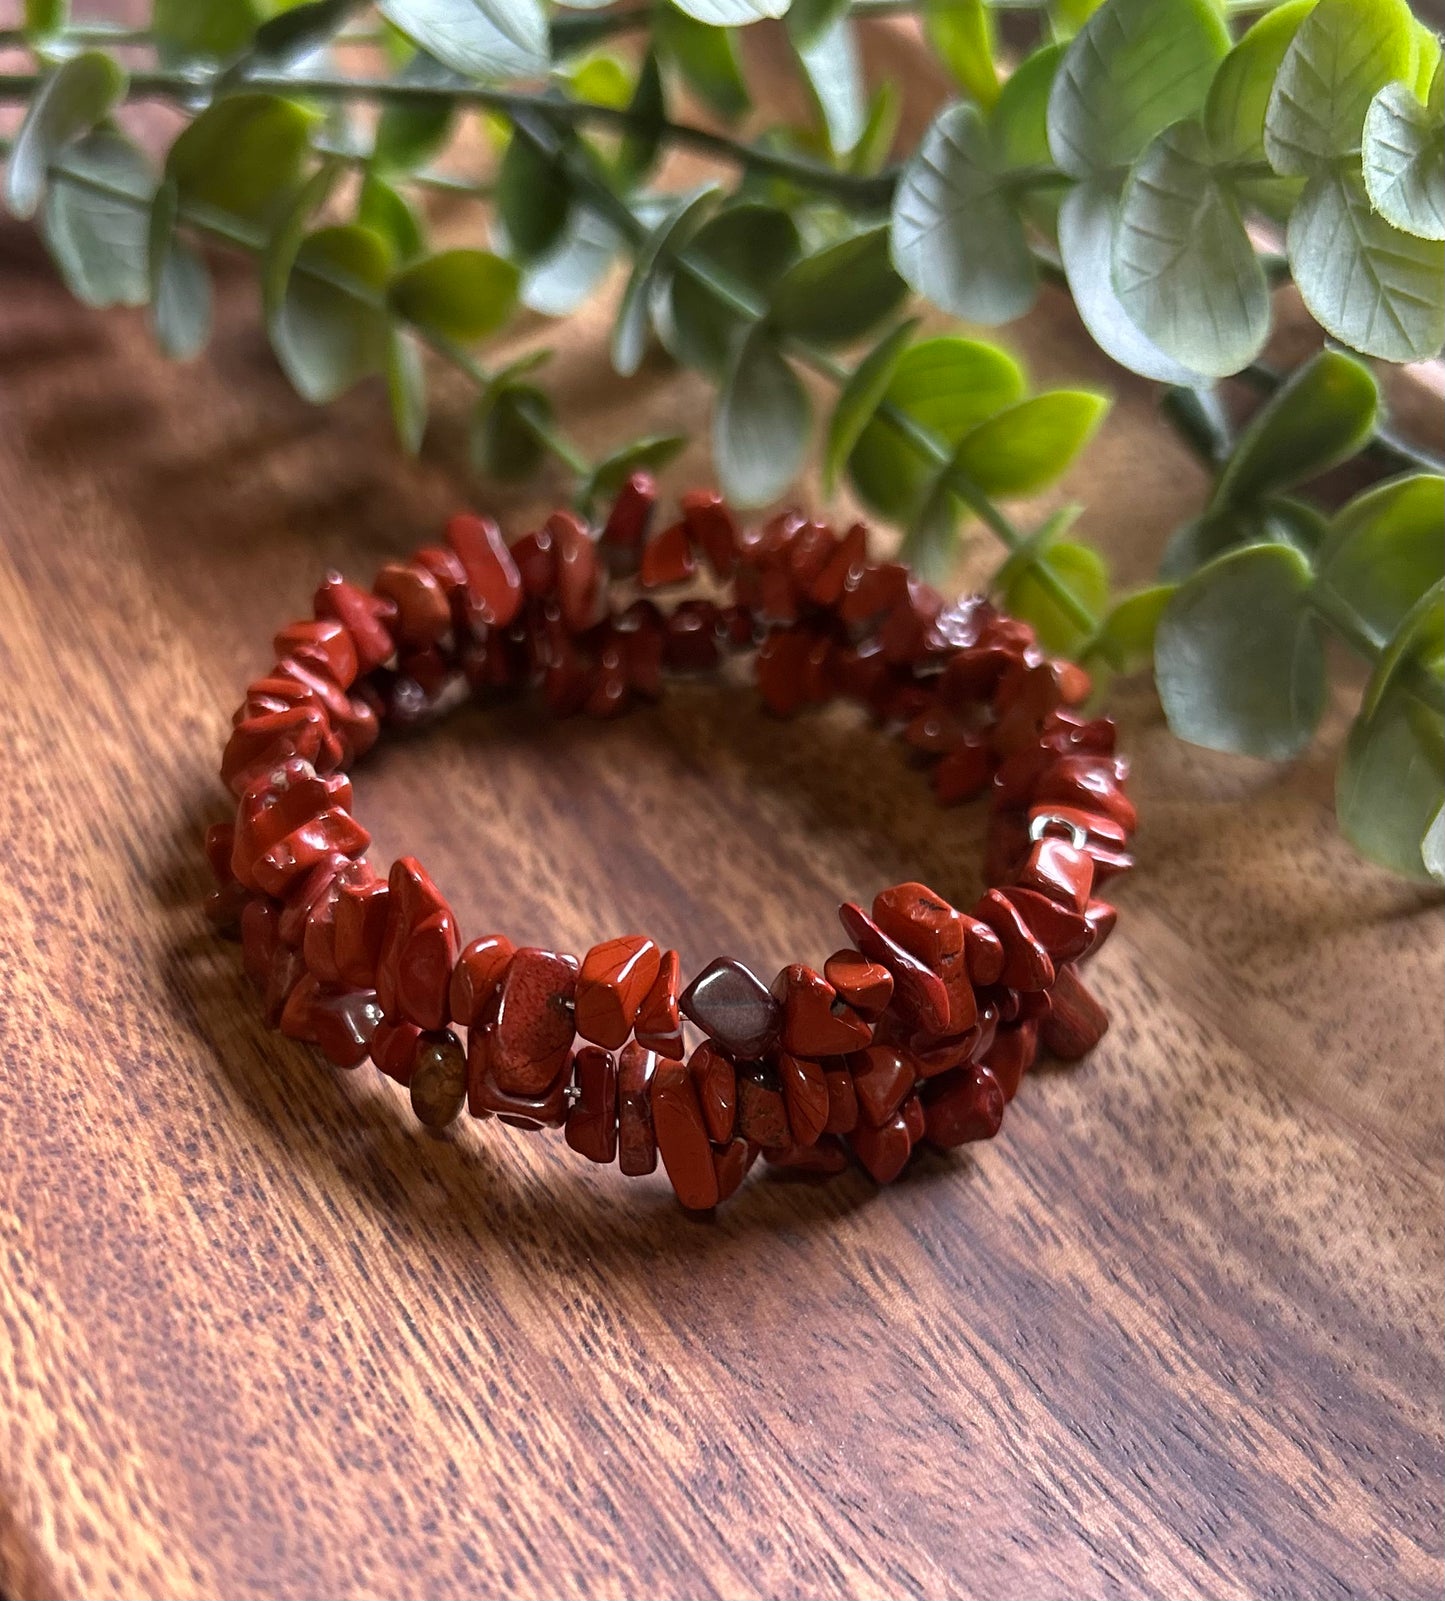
<point>1179,1331</point>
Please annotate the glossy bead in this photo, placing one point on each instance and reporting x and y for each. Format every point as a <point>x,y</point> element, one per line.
<point>711,529</point>
<point>843,567</point>
<point>964,1106</point>
<point>1027,965</point>
<point>262,743</point>
<point>682,1136</point>
<point>324,642</point>
<point>1012,1055</point>
<point>544,1107</point>
<point>361,615</point>
<point>419,946</point>
<point>823,1160</point>
<point>667,559</point>
<point>1101,918</point>
<point>731,1163</point>
<point>1077,1022</point>
<point>779,665</point>
<point>1092,782</point>
<point>814,1021</point>
<point>636,1141</point>
<point>394,1048</point>
<point>882,1077</point>
<point>692,638</point>
<point>963,773</point>
<point>287,971</point>
<point>716,1081</point>
<point>478,972</point>
<point>579,572</point>
<point>730,1004</point>
<point>842,1101</point>
<point>1062,932</point>
<point>423,613</point>
<point>616,979</point>
<point>962,1003</point>
<point>341,1023</point>
<point>918,992</point>
<point>360,929</point>
<point>805,1096</point>
<point>627,524</point>
<point>536,559</point>
<point>532,1029</point>
<point>983,950</point>
<point>305,892</point>
<point>659,1026</point>
<point>592,1118</point>
<point>439,1080</point>
<point>762,1112</point>
<point>284,823</point>
<point>921,921</point>
<point>884,1152</point>
<point>494,586</point>
<point>865,986</point>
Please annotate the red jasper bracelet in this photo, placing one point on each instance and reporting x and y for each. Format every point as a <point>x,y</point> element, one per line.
<point>920,1029</point>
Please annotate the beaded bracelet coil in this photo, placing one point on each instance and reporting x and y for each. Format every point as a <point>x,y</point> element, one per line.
<point>920,1029</point>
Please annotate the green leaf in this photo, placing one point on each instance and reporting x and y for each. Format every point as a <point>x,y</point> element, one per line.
<point>99,242</point>
<point>289,232</point>
<point>1087,222</point>
<point>962,35</point>
<point>76,96</point>
<point>750,244</point>
<point>1184,269</point>
<point>1342,54</point>
<point>1369,285</point>
<point>384,210</point>
<point>839,293</point>
<point>859,398</point>
<point>958,238</point>
<point>1322,415</point>
<point>1389,791</point>
<point>1126,637</point>
<point>648,454</point>
<point>295,32</point>
<point>507,430</point>
<point>629,333</point>
<point>647,109</point>
<point>1432,848</point>
<point>461,294</point>
<point>1023,449</point>
<point>760,425</point>
<point>180,289</point>
<point>946,387</point>
<point>1234,109</point>
<point>329,331</point>
<point>1385,550</point>
<point>880,129</point>
<point>559,281</point>
<point>1276,520</point>
<point>242,154</point>
<point>930,542</point>
<point>489,39</point>
<point>406,389</point>
<point>731,13</point>
<point>1019,121</point>
<point>1404,162</point>
<point>829,59</point>
<point>1068,16</point>
<point>1134,67</point>
<point>1081,569</point>
<point>533,198</point>
<point>1238,658</point>
<point>44,17</point>
<point>212,28</point>
<point>410,133</point>
<point>706,57</point>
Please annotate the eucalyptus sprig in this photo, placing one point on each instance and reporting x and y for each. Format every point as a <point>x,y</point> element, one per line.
<point>1166,161</point>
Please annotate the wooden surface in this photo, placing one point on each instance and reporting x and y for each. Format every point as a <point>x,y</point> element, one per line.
<point>1178,1331</point>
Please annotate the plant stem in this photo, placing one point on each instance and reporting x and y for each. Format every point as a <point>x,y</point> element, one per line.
<point>1346,623</point>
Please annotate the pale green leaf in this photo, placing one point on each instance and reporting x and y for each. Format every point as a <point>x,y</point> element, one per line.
<point>1238,657</point>
<point>1385,549</point>
<point>488,39</point>
<point>731,13</point>
<point>1134,67</point>
<point>1019,121</point>
<point>99,241</point>
<point>1238,98</point>
<point>410,133</point>
<point>1404,162</point>
<point>859,398</point>
<point>760,424</point>
<point>1081,570</point>
<point>461,294</point>
<point>840,292</point>
<point>1024,448</point>
<point>69,102</point>
<point>1343,53</point>
<point>243,154</point>
<point>957,235</point>
<point>750,245</point>
<point>508,427</point>
<point>386,211</point>
<point>329,330</point>
<point>1126,637</point>
<point>629,333</point>
<point>1371,286</point>
<point>962,35</point>
<point>834,74</point>
<point>1184,269</point>
<point>210,28</point>
<point>648,454</point>
<point>559,281</point>
<point>406,389</point>
<point>44,17</point>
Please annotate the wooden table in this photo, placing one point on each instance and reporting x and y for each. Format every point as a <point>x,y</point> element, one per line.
<point>1178,1331</point>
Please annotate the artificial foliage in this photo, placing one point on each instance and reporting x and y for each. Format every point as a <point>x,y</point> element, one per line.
<point>1170,162</point>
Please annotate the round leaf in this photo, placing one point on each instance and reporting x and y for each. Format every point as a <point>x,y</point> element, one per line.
<point>1026,447</point>
<point>180,301</point>
<point>100,242</point>
<point>406,389</point>
<point>1322,415</point>
<point>559,281</point>
<point>629,334</point>
<point>1238,658</point>
<point>707,59</point>
<point>460,294</point>
<point>1234,109</point>
<point>962,35</point>
<point>859,398</point>
<point>329,331</point>
<point>945,386</point>
<point>1275,520</point>
<point>749,244</point>
<point>1385,550</point>
<point>1019,121</point>
<point>731,13</point>
<point>760,426</point>
<point>1126,638</point>
<point>409,133</point>
<point>243,154</point>
<point>72,99</point>
<point>1184,269</point>
<point>1134,67</point>
<point>213,28</point>
<point>1404,162</point>
<point>1087,221</point>
<point>385,211</point>
<point>957,235</point>
<point>840,292</point>
<point>1341,55</point>
<point>1081,570</point>
<point>829,59</point>
<point>479,38</point>
<point>1369,285</point>
<point>506,431</point>
<point>533,198</point>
